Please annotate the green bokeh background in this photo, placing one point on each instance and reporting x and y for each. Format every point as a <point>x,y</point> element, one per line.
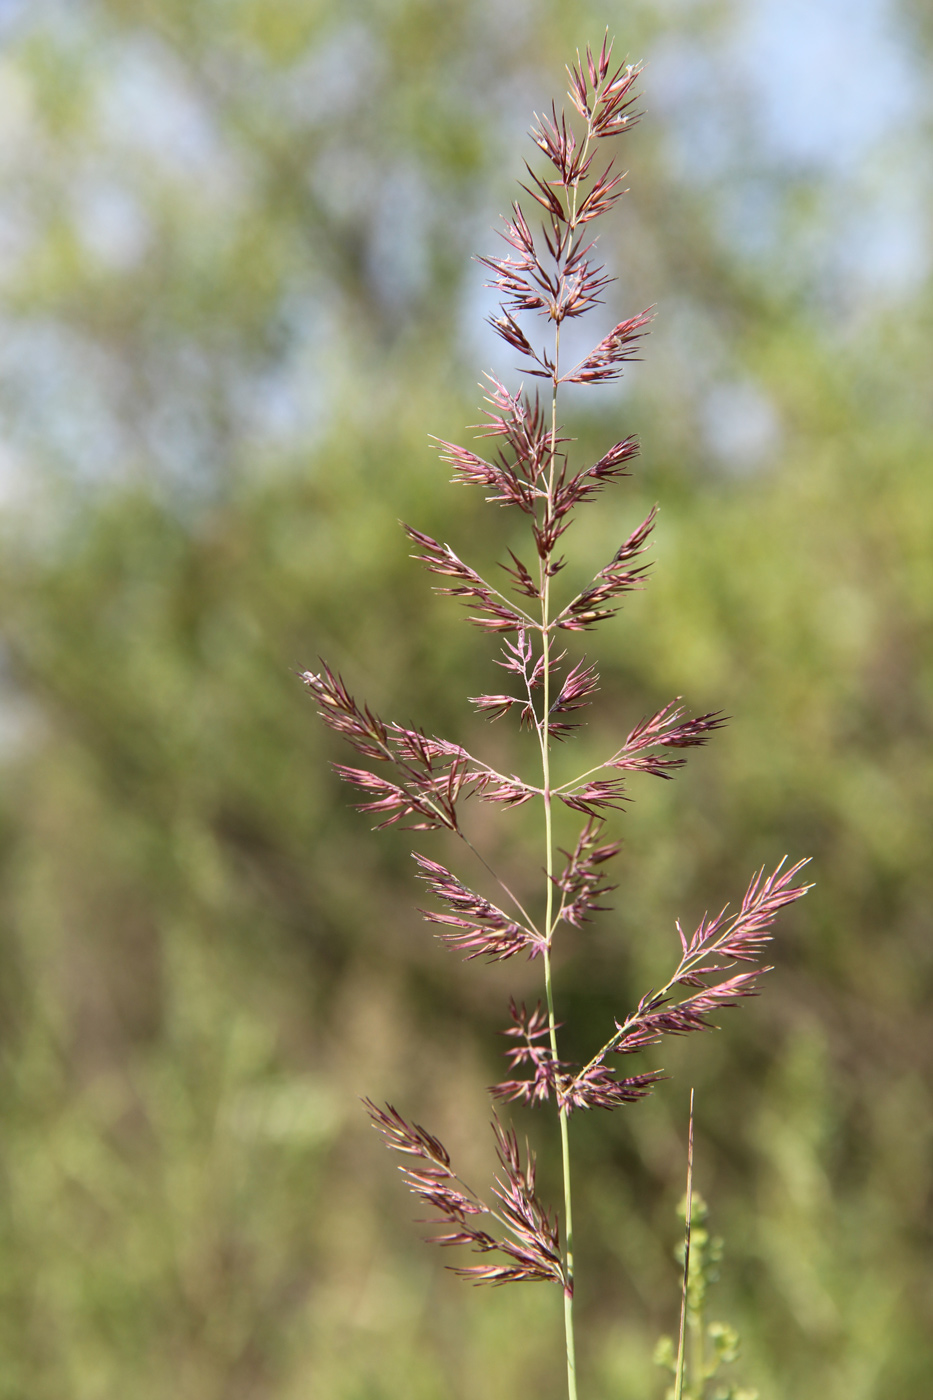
<point>237,296</point>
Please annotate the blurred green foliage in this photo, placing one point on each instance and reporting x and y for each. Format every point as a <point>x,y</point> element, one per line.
<point>236,297</point>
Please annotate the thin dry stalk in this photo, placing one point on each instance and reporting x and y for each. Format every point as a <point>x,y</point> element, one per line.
<point>679,1378</point>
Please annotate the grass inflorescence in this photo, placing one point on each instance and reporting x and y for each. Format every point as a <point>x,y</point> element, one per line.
<point>547,275</point>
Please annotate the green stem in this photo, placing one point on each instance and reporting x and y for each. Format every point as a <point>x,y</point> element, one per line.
<point>549,919</point>
<point>568,1207</point>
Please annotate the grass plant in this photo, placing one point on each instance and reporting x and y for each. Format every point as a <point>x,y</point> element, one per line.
<point>424,781</point>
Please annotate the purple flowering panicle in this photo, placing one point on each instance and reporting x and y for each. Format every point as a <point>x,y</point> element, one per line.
<point>546,276</point>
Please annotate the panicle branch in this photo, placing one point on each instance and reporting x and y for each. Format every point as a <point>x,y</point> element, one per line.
<point>607,361</point>
<point>534,1247</point>
<point>581,883</point>
<point>495,706</point>
<point>431,774</point>
<point>531,1242</point>
<point>507,480</point>
<point>595,1086</point>
<point>585,484</point>
<point>529,1032</point>
<point>713,949</point>
<point>608,109</point>
<point>474,925</point>
<point>491,786</point>
<point>742,936</point>
<point>589,607</point>
<point>594,797</point>
<point>493,612</point>
<point>522,580</point>
<point>520,659</point>
<point>664,730</point>
<point>434,1182</point>
<point>579,684</point>
<point>524,426</point>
